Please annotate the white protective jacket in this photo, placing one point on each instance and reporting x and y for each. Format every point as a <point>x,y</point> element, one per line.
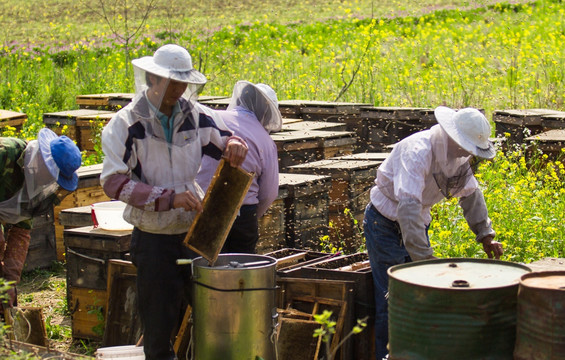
<point>407,187</point>
<point>134,144</point>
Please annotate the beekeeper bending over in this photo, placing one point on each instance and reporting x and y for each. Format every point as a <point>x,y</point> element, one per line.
<point>153,148</point>
<point>421,170</point>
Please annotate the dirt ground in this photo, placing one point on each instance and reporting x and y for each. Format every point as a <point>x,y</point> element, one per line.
<point>47,289</point>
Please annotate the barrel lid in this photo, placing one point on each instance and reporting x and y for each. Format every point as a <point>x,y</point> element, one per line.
<point>459,273</point>
<point>550,280</point>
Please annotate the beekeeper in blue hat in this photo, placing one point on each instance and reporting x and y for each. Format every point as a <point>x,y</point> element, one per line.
<point>34,176</point>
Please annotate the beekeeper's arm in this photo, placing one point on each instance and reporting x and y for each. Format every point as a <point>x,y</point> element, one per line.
<point>413,229</point>
<point>408,188</point>
<point>476,214</point>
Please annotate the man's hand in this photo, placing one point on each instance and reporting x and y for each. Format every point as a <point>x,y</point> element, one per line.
<point>493,249</point>
<point>188,201</point>
<point>235,152</point>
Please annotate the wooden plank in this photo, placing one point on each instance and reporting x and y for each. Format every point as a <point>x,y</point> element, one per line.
<point>122,325</point>
<point>182,339</point>
<point>26,325</point>
<point>221,203</point>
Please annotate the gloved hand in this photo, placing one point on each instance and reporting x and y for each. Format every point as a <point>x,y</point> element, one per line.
<point>17,244</point>
<point>493,249</point>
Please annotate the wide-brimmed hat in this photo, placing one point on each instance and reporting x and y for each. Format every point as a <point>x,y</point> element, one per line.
<point>272,119</point>
<point>61,156</point>
<point>469,128</point>
<point>171,62</point>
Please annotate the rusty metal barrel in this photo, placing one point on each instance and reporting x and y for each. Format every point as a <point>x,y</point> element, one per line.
<point>541,316</point>
<point>453,309</point>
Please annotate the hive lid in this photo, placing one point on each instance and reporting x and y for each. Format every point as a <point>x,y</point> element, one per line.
<point>458,273</point>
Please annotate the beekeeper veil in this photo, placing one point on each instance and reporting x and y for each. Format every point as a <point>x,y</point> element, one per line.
<point>167,76</point>
<point>260,99</point>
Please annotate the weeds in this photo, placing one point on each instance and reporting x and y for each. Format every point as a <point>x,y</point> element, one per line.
<point>327,330</point>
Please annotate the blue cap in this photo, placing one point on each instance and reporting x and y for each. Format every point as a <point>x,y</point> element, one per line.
<point>62,153</point>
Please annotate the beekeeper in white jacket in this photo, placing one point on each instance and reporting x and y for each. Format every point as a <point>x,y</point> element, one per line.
<point>423,169</point>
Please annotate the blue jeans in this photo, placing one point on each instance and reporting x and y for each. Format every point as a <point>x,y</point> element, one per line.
<point>385,248</point>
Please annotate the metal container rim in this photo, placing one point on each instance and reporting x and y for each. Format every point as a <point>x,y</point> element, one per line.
<point>394,268</point>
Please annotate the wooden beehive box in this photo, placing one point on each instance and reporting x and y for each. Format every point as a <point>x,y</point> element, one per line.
<point>382,126</point>
<point>13,119</point>
<point>330,111</point>
<point>313,125</point>
<point>290,108</point>
<point>553,121</point>
<point>289,258</point>
<point>363,293</point>
<point>306,209</point>
<point>88,192</point>
<point>272,224</point>
<point>64,122</point>
<point>42,250</point>
<point>551,142</point>
<point>215,102</point>
<point>299,147</point>
<point>110,101</point>
<point>89,128</point>
<point>519,124</point>
<point>88,251</point>
<point>373,156</point>
<point>350,185</point>
<point>87,308</point>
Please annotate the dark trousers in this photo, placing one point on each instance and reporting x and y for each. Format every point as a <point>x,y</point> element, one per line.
<point>163,288</point>
<point>244,232</point>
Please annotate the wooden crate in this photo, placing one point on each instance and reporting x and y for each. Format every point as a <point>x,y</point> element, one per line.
<point>42,246</point>
<point>306,209</point>
<point>519,124</point>
<point>88,192</point>
<point>299,147</point>
<point>111,101</point>
<point>340,290</point>
<point>382,126</point>
<point>87,251</point>
<point>363,294</point>
<point>87,308</point>
<point>57,121</point>
<point>89,128</point>
<point>13,119</point>
<point>314,125</point>
<point>551,142</point>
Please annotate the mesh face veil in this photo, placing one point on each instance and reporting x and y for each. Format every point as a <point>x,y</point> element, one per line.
<point>259,99</point>
<point>167,77</point>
